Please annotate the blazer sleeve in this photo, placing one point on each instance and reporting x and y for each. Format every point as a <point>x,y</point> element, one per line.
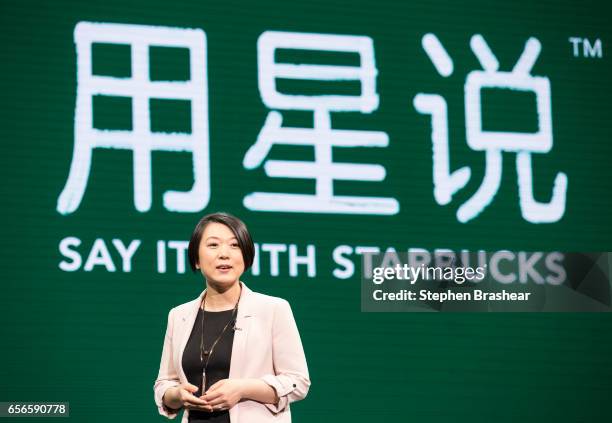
<point>167,376</point>
<point>290,381</point>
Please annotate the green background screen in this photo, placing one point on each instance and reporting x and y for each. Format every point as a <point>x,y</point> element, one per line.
<point>80,325</point>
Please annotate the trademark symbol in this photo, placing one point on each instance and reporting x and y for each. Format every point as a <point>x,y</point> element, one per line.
<point>583,47</point>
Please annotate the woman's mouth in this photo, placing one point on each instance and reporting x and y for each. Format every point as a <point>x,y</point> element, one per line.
<point>224,268</point>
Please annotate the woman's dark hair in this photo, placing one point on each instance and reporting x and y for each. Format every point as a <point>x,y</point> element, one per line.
<point>236,225</point>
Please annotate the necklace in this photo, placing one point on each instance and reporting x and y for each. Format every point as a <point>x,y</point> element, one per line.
<point>206,354</point>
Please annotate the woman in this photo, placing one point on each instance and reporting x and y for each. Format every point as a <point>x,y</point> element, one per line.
<point>230,355</point>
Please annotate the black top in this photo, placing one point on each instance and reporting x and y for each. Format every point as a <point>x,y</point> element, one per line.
<point>219,363</point>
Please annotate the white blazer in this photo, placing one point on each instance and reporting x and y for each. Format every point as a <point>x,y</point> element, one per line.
<point>266,345</point>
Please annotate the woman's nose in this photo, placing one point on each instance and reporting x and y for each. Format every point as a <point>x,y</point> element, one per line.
<point>223,251</point>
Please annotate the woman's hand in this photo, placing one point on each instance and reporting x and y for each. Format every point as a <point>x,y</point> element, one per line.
<point>224,394</point>
<point>181,396</point>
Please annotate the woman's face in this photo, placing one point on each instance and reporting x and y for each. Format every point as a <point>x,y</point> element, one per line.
<point>219,256</point>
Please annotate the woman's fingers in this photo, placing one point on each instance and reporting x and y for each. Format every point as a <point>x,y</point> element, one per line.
<point>211,396</point>
<point>196,406</point>
<point>216,385</point>
<point>215,399</point>
<point>192,402</point>
<point>199,407</point>
<point>189,387</point>
<point>219,402</point>
<point>190,399</point>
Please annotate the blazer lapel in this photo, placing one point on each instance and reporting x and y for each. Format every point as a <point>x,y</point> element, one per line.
<point>187,322</point>
<point>241,333</point>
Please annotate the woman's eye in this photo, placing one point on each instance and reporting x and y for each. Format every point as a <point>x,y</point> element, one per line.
<point>235,245</point>
<point>212,245</point>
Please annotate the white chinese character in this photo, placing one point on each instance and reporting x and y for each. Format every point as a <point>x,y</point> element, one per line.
<point>446,183</point>
<point>322,136</point>
<point>140,89</point>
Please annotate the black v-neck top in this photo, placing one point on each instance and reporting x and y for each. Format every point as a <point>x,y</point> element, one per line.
<point>219,362</point>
